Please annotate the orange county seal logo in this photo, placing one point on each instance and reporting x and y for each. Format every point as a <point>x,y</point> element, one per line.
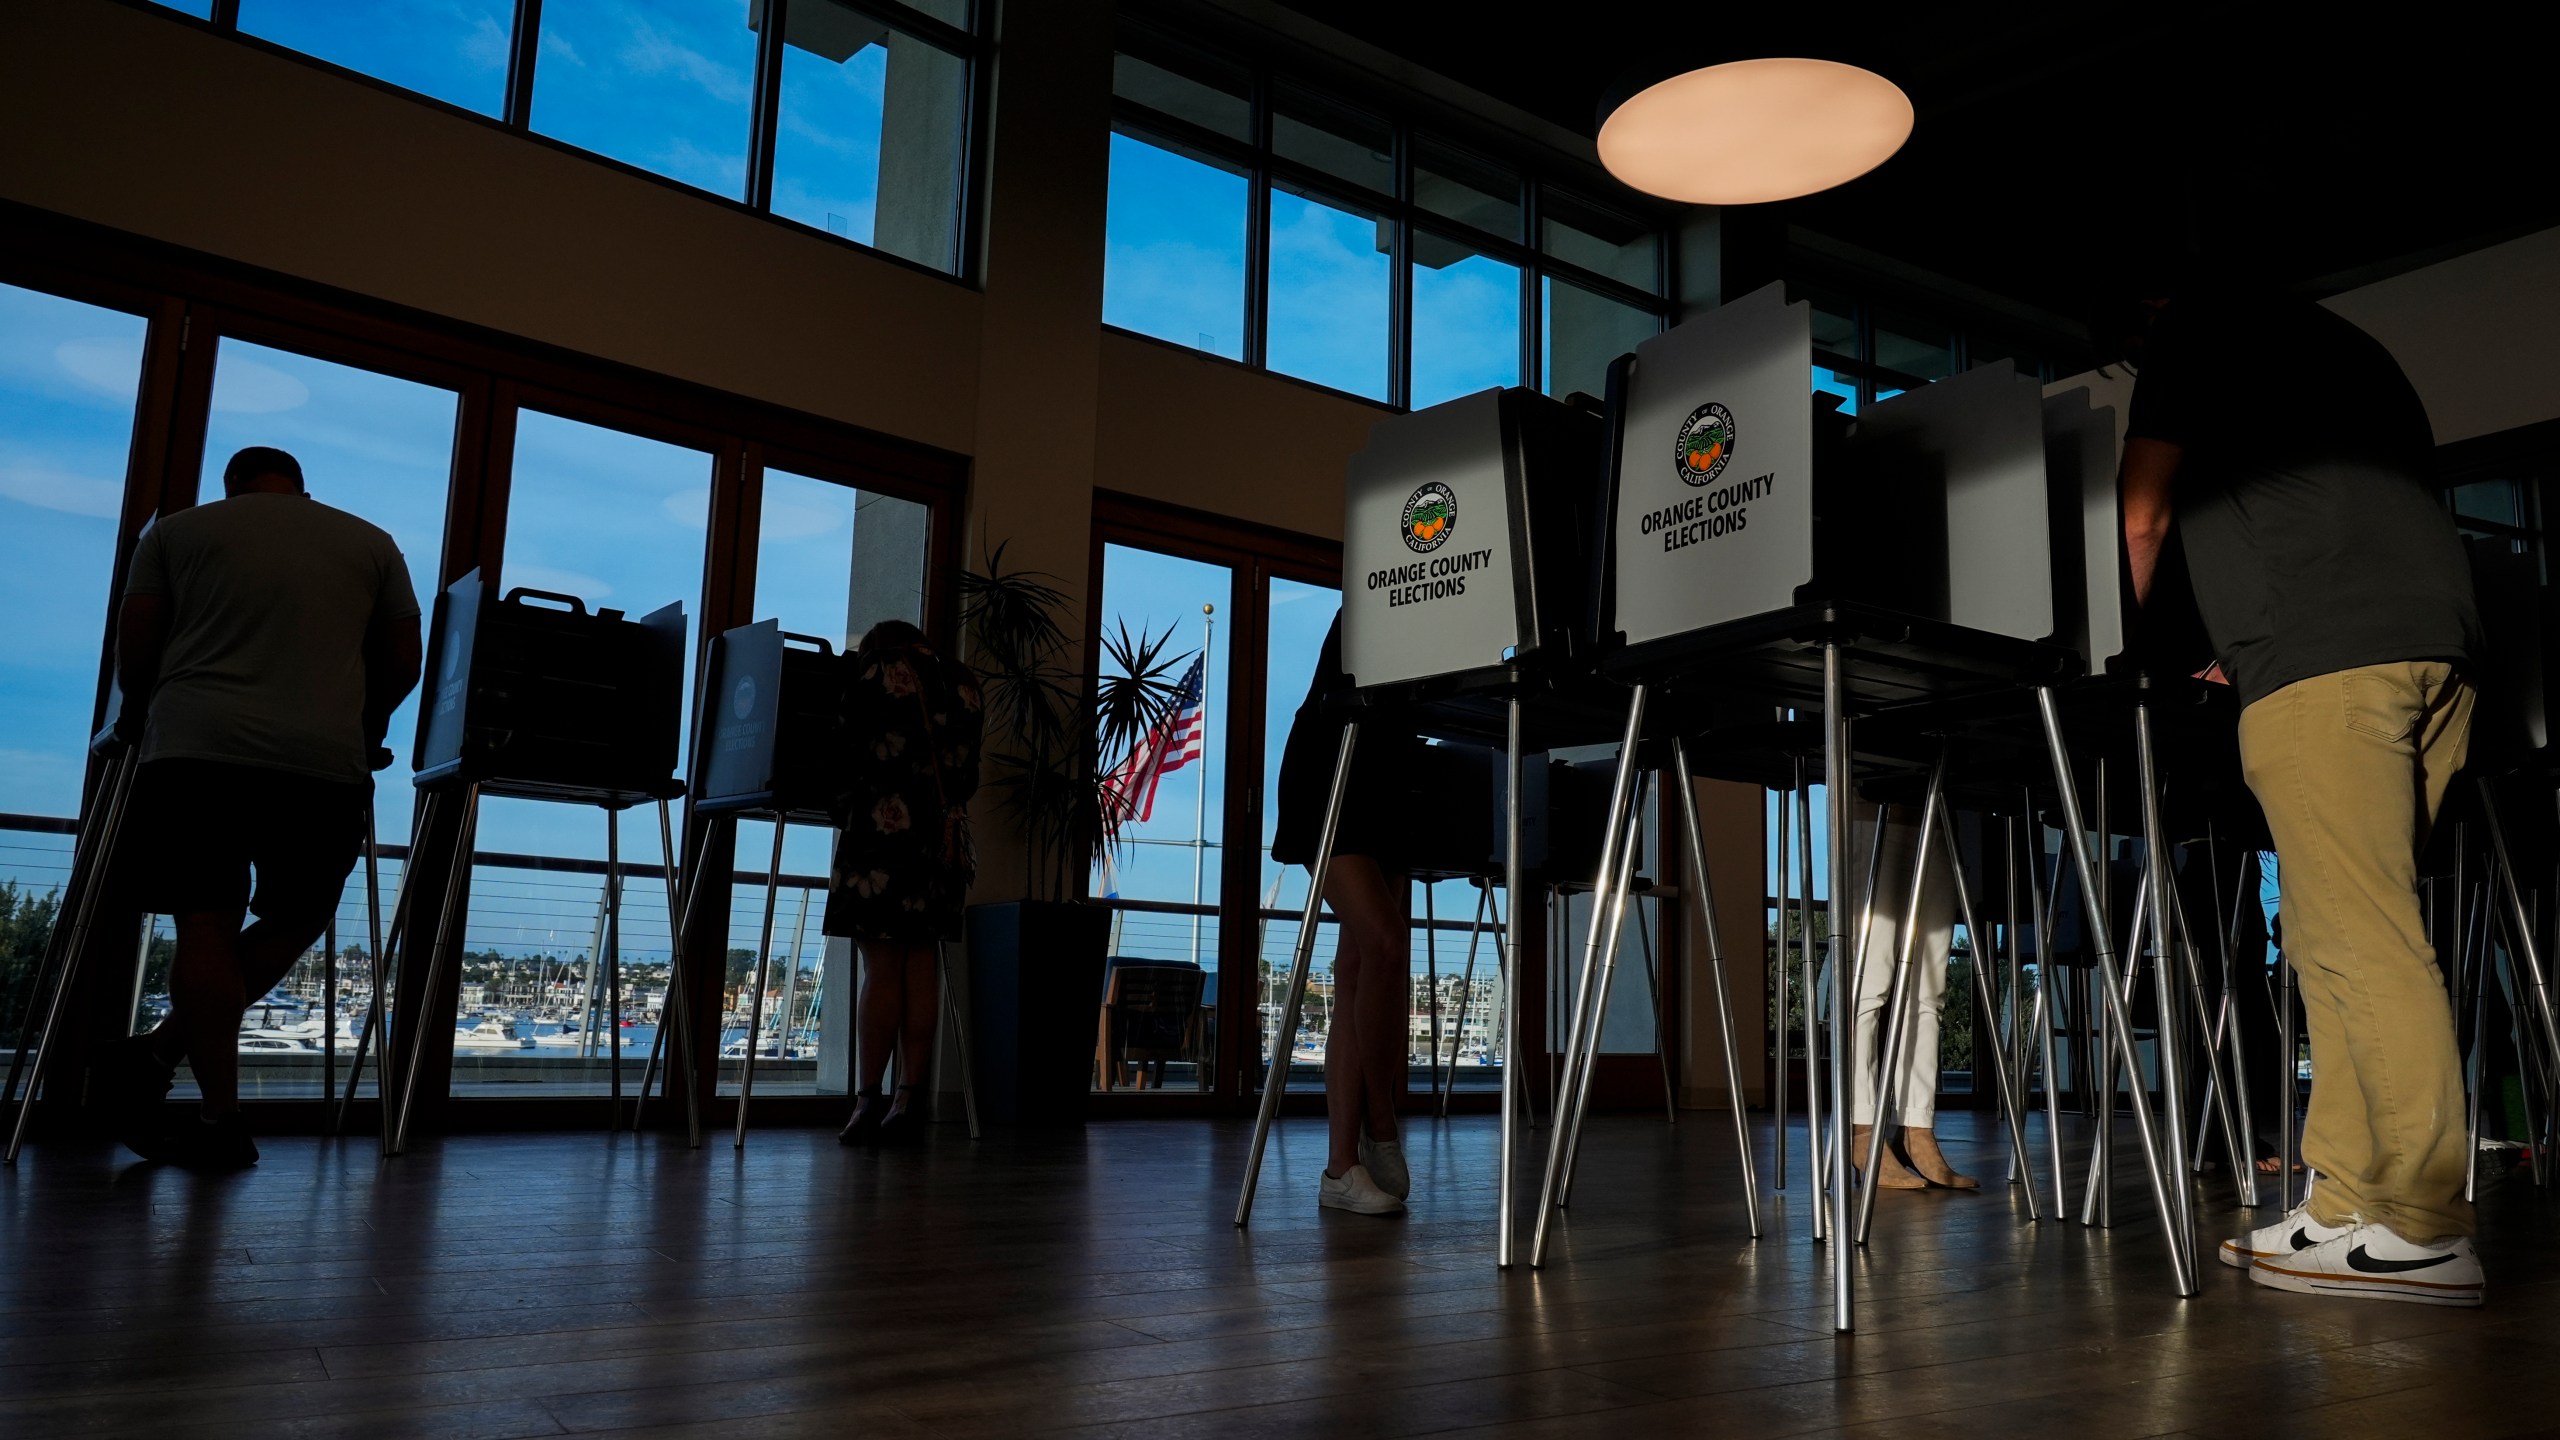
<point>1706,443</point>
<point>1430,518</point>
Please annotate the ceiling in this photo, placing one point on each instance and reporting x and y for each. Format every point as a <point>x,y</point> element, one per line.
<point>2320,153</point>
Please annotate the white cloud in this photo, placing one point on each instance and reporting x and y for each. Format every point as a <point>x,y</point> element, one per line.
<point>245,387</point>
<point>110,364</point>
<point>48,488</point>
<point>651,53</point>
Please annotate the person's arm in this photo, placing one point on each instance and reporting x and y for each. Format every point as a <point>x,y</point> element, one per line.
<point>2145,485</point>
<point>393,652</point>
<point>142,634</point>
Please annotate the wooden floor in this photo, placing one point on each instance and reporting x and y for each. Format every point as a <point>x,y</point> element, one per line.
<point>1090,1283</point>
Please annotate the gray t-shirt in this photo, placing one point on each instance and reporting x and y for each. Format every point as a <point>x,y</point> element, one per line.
<point>270,597</point>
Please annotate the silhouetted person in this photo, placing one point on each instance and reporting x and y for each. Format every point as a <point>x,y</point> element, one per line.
<point>912,726</point>
<point>263,642</point>
<point>2334,588</point>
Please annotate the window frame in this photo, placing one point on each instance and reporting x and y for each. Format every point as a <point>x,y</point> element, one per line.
<point>1264,168</point>
<point>971,47</point>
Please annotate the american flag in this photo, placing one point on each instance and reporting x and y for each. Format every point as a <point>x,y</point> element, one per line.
<point>1167,748</point>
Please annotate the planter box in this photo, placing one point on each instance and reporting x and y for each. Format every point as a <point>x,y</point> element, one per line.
<point>1035,991</point>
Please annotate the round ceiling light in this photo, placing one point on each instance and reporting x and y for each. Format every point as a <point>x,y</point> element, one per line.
<point>1751,131</point>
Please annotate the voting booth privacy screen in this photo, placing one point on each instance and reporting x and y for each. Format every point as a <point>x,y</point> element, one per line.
<point>536,693</point>
<point>771,703</point>
<point>1466,538</point>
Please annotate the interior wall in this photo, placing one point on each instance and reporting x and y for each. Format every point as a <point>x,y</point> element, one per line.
<point>2475,334</point>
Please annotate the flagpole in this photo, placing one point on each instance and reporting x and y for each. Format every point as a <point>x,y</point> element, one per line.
<point>1200,796</point>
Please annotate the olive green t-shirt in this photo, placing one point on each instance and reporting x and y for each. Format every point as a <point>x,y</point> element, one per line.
<point>270,597</point>
<point>2313,531</point>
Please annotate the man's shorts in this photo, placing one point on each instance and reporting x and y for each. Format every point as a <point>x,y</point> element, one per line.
<point>196,830</point>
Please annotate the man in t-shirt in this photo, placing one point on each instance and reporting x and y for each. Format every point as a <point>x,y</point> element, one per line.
<point>263,643</point>
<point>2334,588</point>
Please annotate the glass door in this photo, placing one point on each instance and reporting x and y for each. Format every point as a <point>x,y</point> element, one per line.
<point>380,447</point>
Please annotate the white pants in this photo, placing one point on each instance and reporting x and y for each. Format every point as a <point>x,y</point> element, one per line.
<point>1916,1077</point>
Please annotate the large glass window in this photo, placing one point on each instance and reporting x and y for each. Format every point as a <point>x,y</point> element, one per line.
<point>1466,320</point>
<point>661,84</point>
<point>1584,332</point>
<point>1174,248</point>
<point>871,144</point>
<point>69,375</point>
<point>831,562</point>
<point>1345,191</point>
<point>454,50</point>
<point>1299,616</point>
<point>381,448</point>
<point>617,520</point>
<point>1329,298</point>
<point>1165,872</point>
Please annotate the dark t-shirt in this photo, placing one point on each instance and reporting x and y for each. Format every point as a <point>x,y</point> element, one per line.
<point>2316,540</point>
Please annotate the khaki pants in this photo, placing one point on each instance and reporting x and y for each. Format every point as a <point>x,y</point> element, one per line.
<point>2351,768</point>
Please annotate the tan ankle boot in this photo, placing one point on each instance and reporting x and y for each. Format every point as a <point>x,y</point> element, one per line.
<point>1884,1165</point>
<point>1921,1144</point>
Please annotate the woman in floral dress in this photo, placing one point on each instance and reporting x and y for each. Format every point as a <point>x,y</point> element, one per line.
<point>911,729</point>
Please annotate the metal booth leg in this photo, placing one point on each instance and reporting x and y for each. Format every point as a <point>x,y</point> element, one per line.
<point>755,990</point>
<point>613,963</point>
<point>1621,793</point>
<point>1990,1019</point>
<point>1704,890</point>
<point>2094,1199</point>
<point>1466,997</point>
<point>2289,1091</point>
<point>2180,1258</point>
<point>2044,1020</point>
<point>1431,982</point>
<point>1778,966</point>
<point>1587,1046</point>
<point>1843,1105</point>
<point>1277,1079</point>
<point>1838,776</point>
<point>2217,1104</point>
<point>1900,998</point>
<point>116,792</point>
<point>1808,967</point>
<point>674,1009</point>
<point>1661,1035</point>
<point>1508,960</point>
<point>375,1037</point>
<point>457,891</point>
<point>959,1034</point>
<point>2170,1030</point>
<point>2536,978</point>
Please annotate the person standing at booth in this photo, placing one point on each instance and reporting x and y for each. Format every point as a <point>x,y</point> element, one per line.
<point>1367,888</point>
<point>2334,588</point>
<point>263,641</point>
<point>912,724</point>
<point>1910,1160</point>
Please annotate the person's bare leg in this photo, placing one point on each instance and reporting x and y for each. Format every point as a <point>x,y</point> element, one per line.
<point>1363,1067</point>
<point>916,1023</point>
<point>207,997</point>
<point>876,1014</point>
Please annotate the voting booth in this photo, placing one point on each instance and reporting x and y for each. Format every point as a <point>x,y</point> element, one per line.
<point>535,695</point>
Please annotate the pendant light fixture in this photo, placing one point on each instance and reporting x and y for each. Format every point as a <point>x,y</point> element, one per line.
<point>1750,131</point>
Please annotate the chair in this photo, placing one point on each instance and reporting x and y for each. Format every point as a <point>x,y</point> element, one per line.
<point>1150,1016</point>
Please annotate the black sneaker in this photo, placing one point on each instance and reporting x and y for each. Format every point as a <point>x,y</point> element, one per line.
<point>129,1088</point>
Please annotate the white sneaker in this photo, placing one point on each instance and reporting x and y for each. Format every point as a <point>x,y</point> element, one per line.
<point>2372,1263</point>
<point>1384,1160</point>
<point>2297,1231</point>
<point>1354,1191</point>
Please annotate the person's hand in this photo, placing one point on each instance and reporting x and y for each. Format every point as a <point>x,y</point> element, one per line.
<point>2212,674</point>
<point>380,759</point>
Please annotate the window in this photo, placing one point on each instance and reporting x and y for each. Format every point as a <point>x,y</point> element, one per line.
<point>864,133</point>
<point>1391,265</point>
<point>1174,248</point>
<point>869,144</point>
<point>1584,332</point>
<point>69,377</point>
<point>453,50</point>
<point>1864,354</point>
<point>831,562</point>
<point>1171,855</point>
<point>1329,298</point>
<point>1466,320</point>
<point>617,520</point>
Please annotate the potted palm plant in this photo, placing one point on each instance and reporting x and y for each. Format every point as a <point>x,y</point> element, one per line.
<point>1054,735</point>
